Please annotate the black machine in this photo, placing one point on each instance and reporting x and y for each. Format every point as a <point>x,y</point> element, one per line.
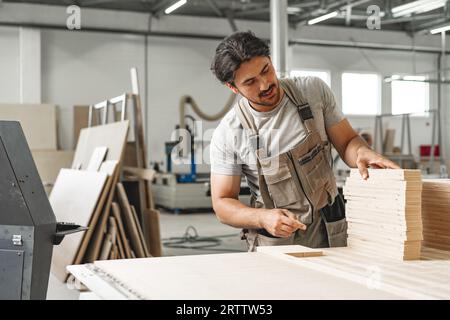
<point>28,227</point>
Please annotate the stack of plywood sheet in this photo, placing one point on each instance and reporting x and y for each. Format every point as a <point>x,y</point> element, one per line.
<point>91,195</point>
<point>39,123</point>
<point>436,213</point>
<point>384,212</point>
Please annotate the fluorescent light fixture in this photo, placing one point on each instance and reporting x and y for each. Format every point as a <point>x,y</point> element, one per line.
<point>440,29</point>
<point>416,7</point>
<point>175,6</point>
<point>293,10</point>
<point>323,18</point>
<point>414,78</point>
<point>396,77</point>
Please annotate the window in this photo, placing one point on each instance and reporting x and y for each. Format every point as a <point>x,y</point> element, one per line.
<point>324,75</point>
<point>410,96</point>
<point>361,93</point>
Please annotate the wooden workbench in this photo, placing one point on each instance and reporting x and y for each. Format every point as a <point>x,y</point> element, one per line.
<point>341,273</point>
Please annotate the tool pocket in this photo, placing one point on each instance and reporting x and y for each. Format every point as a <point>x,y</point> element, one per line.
<point>318,176</point>
<point>335,222</point>
<point>282,188</point>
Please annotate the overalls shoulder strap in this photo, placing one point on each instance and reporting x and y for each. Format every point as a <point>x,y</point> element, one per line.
<point>248,123</point>
<point>304,110</point>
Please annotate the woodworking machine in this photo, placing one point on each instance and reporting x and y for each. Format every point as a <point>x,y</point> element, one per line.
<point>28,227</point>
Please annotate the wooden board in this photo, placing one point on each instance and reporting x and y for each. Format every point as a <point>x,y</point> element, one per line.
<point>97,158</point>
<point>48,164</point>
<point>140,233</point>
<point>73,199</point>
<point>38,121</point>
<point>436,213</point>
<point>81,120</point>
<point>293,250</point>
<point>109,168</point>
<point>196,278</point>
<point>151,223</point>
<point>130,224</point>
<point>99,231</point>
<point>113,136</point>
<point>122,235</point>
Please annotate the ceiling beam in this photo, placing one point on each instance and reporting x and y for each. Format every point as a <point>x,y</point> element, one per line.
<point>215,8</point>
<point>160,6</point>
<point>230,17</point>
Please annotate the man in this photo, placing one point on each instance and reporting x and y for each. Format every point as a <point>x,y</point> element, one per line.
<point>278,136</point>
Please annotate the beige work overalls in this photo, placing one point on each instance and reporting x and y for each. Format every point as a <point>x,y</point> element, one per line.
<point>301,181</point>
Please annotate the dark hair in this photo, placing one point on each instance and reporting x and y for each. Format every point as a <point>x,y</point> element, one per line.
<point>235,50</point>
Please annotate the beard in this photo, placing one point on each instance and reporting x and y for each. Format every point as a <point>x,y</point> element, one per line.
<point>275,98</point>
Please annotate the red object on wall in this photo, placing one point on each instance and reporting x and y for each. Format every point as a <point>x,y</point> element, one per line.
<point>425,150</point>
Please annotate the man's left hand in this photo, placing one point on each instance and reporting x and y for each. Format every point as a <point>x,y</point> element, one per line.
<point>366,158</point>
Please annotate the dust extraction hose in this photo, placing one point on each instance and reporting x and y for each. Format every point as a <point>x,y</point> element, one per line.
<point>189,100</point>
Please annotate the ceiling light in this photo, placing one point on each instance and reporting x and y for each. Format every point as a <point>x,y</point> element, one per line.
<point>323,18</point>
<point>175,6</point>
<point>440,29</point>
<point>416,7</point>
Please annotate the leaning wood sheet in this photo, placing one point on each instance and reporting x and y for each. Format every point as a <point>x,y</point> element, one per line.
<point>38,122</point>
<point>253,276</point>
<point>73,199</point>
<point>113,136</point>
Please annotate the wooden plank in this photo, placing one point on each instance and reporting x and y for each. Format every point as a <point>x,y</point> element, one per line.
<point>48,164</point>
<point>174,278</point>
<point>151,223</point>
<point>93,250</point>
<point>293,250</point>
<point>74,199</point>
<point>113,136</point>
<point>106,248</point>
<point>97,158</point>
<point>81,121</point>
<point>130,225</point>
<point>109,168</point>
<point>117,215</point>
<point>140,173</point>
<point>140,233</point>
<point>38,121</point>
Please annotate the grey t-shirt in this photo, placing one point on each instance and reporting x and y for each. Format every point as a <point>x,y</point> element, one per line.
<point>279,130</point>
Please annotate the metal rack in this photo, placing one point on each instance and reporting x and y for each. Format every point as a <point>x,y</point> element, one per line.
<point>406,132</point>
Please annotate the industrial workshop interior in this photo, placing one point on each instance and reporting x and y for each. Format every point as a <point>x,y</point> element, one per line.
<point>213,150</point>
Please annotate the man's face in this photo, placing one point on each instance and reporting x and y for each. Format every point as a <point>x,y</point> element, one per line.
<point>257,81</point>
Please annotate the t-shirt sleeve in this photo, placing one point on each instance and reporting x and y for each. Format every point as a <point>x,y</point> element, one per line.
<point>222,154</point>
<point>331,112</point>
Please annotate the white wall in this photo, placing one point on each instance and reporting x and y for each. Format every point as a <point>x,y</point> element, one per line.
<point>87,67</point>
<point>9,65</point>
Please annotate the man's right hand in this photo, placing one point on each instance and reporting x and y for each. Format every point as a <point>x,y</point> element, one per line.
<point>280,222</point>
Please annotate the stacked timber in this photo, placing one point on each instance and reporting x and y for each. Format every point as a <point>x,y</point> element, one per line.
<point>436,213</point>
<point>384,213</point>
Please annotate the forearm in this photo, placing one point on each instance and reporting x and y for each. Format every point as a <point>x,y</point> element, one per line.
<point>234,213</point>
<point>355,146</point>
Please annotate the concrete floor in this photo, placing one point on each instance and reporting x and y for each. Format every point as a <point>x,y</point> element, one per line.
<point>174,226</point>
